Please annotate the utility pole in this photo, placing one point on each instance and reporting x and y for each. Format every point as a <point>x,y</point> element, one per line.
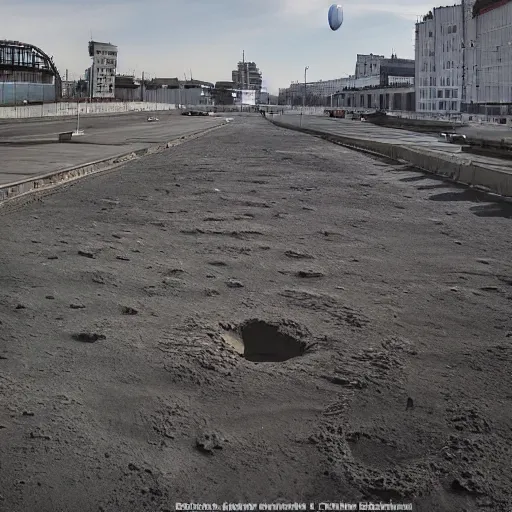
<point>242,81</point>
<point>142,88</point>
<point>305,90</point>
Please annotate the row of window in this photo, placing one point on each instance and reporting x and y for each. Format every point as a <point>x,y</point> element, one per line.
<point>441,106</point>
<point>103,52</point>
<point>450,29</point>
<point>430,66</point>
<point>105,70</point>
<point>438,93</point>
<point>106,62</point>
<point>450,46</point>
<point>431,81</point>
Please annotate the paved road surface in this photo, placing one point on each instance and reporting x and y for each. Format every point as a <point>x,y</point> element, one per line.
<point>30,149</point>
<point>399,285</point>
<point>47,127</point>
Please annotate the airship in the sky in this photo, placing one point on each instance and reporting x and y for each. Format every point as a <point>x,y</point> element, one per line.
<point>335,16</point>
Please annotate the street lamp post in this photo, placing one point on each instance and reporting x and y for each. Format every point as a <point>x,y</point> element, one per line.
<point>304,97</point>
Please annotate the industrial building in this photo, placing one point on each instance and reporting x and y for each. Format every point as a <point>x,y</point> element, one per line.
<point>27,75</point>
<point>397,97</point>
<point>102,73</point>
<point>317,93</point>
<point>247,77</point>
<point>379,83</point>
<point>164,90</point>
<point>366,88</point>
<point>224,93</point>
<point>464,59</point>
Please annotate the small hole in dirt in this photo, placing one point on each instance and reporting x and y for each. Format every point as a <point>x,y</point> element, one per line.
<point>263,342</point>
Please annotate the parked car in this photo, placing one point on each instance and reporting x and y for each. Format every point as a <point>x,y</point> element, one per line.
<point>194,113</point>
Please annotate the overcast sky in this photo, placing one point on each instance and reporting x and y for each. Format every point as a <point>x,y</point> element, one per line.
<point>173,37</point>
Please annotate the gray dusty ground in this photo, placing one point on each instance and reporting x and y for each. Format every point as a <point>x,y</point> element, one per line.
<point>397,285</point>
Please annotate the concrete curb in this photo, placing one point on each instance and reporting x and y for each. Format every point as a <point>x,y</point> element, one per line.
<point>63,176</point>
<point>468,173</point>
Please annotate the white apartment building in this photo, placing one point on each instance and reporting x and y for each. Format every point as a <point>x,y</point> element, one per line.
<point>439,68</point>
<point>102,73</point>
<point>488,57</point>
<point>464,58</point>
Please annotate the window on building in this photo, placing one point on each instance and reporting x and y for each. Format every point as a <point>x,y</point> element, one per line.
<point>440,93</point>
<point>454,29</point>
<point>448,81</point>
<point>454,105</point>
<point>447,93</point>
<point>455,93</point>
<point>449,30</point>
<point>441,105</point>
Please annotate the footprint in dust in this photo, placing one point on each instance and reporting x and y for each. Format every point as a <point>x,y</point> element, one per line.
<point>298,255</point>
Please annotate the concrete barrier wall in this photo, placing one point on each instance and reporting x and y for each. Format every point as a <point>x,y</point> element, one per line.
<point>70,109</point>
<point>446,165</point>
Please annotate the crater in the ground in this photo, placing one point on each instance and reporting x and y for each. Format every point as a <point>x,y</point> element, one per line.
<point>260,341</point>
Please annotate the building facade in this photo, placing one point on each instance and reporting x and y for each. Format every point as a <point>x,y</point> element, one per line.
<point>102,73</point>
<point>439,66</point>
<point>368,65</point>
<point>398,98</point>
<point>464,59</point>
<point>488,57</point>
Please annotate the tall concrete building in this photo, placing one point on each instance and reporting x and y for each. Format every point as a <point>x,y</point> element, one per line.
<point>102,73</point>
<point>464,59</point>
<point>439,68</point>
<point>487,57</point>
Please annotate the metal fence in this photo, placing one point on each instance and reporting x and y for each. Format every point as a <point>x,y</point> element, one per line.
<point>18,93</point>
